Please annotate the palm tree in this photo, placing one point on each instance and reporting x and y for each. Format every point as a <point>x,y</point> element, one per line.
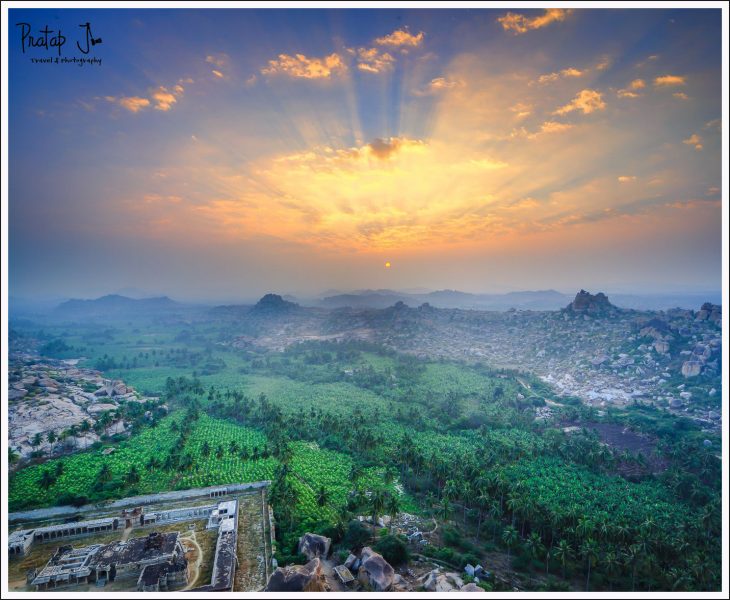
<point>322,496</point>
<point>105,473</point>
<point>51,437</point>
<point>377,504</point>
<point>219,452</point>
<point>13,456</point>
<point>631,556</point>
<point>37,440</point>
<point>132,476</point>
<point>47,480</point>
<point>444,509</point>
<point>563,552</point>
<point>205,449</point>
<point>510,537</point>
<point>393,507</point>
<point>610,565</point>
<point>482,500</point>
<point>589,551</point>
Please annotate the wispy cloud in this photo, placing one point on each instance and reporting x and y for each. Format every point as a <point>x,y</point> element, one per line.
<point>519,23</point>
<point>437,85</point>
<point>564,73</point>
<point>165,98</point>
<point>372,60</point>
<point>304,67</point>
<point>694,140</point>
<point>133,104</point>
<point>587,101</point>
<point>401,37</point>
<point>669,80</point>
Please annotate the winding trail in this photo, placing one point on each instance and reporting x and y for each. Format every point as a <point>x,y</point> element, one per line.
<point>194,567</point>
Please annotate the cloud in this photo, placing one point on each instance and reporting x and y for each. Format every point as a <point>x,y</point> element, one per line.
<point>437,85</point>
<point>554,127</point>
<point>715,124</point>
<point>401,37</point>
<point>546,128</point>
<point>372,60</point>
<point>519,23</point>
<point>694,140</point>
<point>681,95</point>
<point>301,66</point>
<point>603,63</point>
<point>647,60</point>
<point>219,60</point>
<point>627,94</point>
<point>161,98</point>
<point>587,101</point>
<point>637,84</point>
<point>669,80</point>
<point>569,72</point>
<point>132,103</point>
<point>626,178</point>
<point>251,80</point>
<point>521,110</point>
<point>165,98</point>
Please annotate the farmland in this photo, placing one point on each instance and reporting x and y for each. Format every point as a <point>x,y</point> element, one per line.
<point>354,428</point>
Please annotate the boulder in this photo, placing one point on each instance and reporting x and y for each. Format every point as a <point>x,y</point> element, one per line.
<point>120,389</point>
<point>375,571</point>
<point>661,346</point>
<point>313,545</point>
<point>297,578</point>
<point>400,584</point>
<point>437,582</point>
<point>352,563</point>
<point>471,587</point>
<point>454,579</point>
<point>691,368</point>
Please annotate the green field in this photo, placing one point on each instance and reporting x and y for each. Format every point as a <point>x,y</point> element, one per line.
<point>337,427</point>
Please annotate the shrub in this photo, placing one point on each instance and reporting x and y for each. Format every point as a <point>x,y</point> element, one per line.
<point>393,549</point>
<point>356,535</point>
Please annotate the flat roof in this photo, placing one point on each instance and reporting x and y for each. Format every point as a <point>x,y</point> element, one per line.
<point>136,550</point>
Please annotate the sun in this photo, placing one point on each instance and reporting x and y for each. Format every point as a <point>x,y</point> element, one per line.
<point>387,265</point>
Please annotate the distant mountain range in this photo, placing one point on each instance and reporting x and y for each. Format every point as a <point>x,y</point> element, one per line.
<point>526,300</point>
<point>115,305</point>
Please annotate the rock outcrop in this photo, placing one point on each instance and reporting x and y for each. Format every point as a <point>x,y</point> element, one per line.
<point>297,578</point>
<point>313,545</point>
<point>711,312</point>
<point>375,572</point>
<point>587,303</point>
<point>471,587</point>
<point>274,304</point>
<point>691,368</point>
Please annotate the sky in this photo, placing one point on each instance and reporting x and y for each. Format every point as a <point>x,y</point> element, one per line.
<point>226,153</point>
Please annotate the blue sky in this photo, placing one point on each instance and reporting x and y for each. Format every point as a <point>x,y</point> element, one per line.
<point>222,153</point>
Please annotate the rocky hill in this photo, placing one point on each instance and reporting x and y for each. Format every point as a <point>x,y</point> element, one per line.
<point>587,303</point>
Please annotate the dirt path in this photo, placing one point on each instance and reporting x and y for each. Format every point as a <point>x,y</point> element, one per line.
<point>529,389</point>
<point>334,583</point>
<point>126,533</point>
<point>193,566</point>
